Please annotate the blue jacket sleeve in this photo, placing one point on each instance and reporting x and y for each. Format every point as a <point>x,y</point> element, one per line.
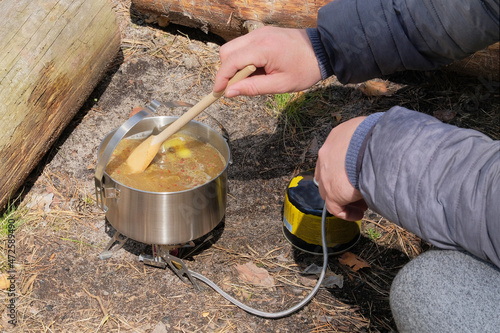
<point>361,39</point>
<point>447,192</point>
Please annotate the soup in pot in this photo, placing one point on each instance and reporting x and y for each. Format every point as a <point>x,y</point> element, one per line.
<point>183,162</point>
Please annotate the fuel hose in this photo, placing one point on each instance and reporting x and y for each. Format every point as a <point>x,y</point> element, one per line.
<point>284,313</point>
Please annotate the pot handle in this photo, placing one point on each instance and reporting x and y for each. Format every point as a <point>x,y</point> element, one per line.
<point>111,145</point>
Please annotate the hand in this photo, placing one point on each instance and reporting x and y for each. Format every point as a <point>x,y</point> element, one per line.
<point>342,199</point>
<point>284,57</point>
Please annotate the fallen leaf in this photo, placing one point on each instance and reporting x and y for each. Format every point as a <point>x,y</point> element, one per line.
<point>308,281</point>
<point>333,280</point>
<point>254,275</point>
<point>444,115</point>
<point>4,283</point>
<point>281,258</point>
<point>41,202</point>
<point>375,88</point>
<point>337,116</point>
<point>330,280</point>
<point>159,328</point>
<point>250,25</point>
<point>311,149</point>
<point>353,261</point>
<point>325,319</point>
<point>33,310</point>
<point>312,269</point>
<point>135,110</point>
<point>163,21</point>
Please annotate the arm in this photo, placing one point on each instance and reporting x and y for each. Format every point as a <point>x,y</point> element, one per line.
<point>357,40</point>
<point>448,193</point>
<point>360,39</point>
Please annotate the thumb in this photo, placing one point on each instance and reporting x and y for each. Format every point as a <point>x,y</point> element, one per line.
<point>336,210</point>
<point>350,212</point>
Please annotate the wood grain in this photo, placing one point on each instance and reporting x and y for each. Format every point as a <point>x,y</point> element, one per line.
<point>54,52</point>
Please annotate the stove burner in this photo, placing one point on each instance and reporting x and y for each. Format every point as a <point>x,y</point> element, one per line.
<point>163,256</point>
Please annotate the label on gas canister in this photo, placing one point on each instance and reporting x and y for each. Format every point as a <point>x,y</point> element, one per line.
<point>302,217</point>
<point>308,227</point>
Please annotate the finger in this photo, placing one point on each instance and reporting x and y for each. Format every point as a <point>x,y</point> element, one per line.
<point>350,212</point>
<point>321,189</point>
<point>317,175</point>
<point>353,213</point>
<point>360,204</point>
<point>260,85</point>
<point>229,68</point>
<point>234,56</point>
<point>336,210</point>
<point>224,74</point>
<point>236,45</point>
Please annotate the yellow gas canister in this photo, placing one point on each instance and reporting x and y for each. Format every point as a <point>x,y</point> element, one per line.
<point>302,219</point>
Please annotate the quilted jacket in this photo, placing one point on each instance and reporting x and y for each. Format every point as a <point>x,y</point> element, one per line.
<point>436,180</point>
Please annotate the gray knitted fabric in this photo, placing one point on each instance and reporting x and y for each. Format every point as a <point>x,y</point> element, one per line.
<point>446,291</point>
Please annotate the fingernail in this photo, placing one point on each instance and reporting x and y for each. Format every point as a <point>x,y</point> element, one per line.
<point>341,215</point>
<point>232,93</point>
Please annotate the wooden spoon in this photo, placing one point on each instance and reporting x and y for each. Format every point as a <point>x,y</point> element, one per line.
<point>142,155</point>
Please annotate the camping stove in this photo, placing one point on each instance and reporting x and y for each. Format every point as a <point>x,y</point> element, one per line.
<point>163,256</point>
<point>168,220</point>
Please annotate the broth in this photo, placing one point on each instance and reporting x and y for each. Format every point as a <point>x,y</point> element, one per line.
<point>182,163</point>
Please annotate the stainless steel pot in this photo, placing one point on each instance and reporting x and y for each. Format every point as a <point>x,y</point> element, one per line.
<point>161,217</point>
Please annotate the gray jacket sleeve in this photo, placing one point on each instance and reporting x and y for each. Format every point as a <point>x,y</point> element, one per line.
<point>436,180</point>
<point>361,39</point>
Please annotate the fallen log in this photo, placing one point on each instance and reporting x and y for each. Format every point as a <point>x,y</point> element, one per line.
<point>232,18</point>
<point>54,52</point>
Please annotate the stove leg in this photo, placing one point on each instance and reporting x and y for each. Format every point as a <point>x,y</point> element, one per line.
<point>108,253</point>
<point>180,269</point>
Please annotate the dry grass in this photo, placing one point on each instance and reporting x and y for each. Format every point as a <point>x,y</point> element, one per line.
<point>38,216</point>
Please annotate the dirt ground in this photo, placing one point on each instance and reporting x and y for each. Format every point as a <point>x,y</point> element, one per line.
<point>63,285</point>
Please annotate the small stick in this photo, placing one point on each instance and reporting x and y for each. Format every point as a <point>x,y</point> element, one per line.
<point>103,309</point>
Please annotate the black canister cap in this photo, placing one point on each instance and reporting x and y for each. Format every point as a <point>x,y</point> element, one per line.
<point>305,196</point>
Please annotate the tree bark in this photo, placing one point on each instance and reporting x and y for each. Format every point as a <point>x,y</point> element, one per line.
<point>54,52</point>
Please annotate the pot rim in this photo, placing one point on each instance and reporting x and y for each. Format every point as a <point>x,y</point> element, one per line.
<point>170,193</point>
<point>174,192</point>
